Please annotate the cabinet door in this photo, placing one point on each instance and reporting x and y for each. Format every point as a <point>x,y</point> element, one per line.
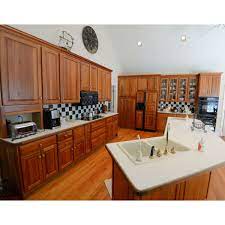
<point>32,172</point>
<point>205,85</point>
<point>50,160</point>
<point>87,138</point>
<point>127,86</point>
<point>100,84</point>
<point>79,150</point>
<point>141,83</point>
<point>50,76</point>
<point>20,71</point>
<point>108,86</point>
<point>122,87</point>
<point>196,187</point>
<point>215,89</point>
<point>151,102</point>
<point>139,119</point>
<point>85,76</point>
<point>65,155</point>
<point>93,78</point>
<point>164,89</point>
<point>127,112</point>
<point>153,83</point>
<point>172,89</point>
<point>69,79</point>
<point>161,121</point>
<point>150,121</point>
<point>115,126</point>
<point>182,95</point>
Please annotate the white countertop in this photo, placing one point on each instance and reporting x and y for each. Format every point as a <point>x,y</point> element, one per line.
<point>65,126</point>
<point>179,113</point>
<point>168,169</point>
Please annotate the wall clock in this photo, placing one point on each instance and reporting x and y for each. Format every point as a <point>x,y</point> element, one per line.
<point>90,39</point>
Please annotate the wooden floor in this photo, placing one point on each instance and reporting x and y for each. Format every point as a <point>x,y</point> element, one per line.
<point>85,181</point>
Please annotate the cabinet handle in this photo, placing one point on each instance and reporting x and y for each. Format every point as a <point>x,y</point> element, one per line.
<point>43,155</point>
<point>39,156</point>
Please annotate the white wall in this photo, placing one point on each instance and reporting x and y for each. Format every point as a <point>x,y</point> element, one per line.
<point>105,55</point>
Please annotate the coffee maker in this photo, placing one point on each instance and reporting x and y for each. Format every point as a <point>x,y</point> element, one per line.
<point>51,118</point>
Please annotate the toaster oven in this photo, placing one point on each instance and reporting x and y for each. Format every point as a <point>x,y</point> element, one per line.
<point>20,130</point>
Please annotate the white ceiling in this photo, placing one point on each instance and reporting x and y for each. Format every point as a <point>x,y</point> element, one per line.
<point>164,52</point>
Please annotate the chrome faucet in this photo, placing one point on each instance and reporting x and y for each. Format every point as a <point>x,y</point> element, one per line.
<point>167,134</point>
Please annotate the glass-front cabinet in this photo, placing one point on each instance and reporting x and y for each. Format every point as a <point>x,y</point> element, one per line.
<point>172,92</point>
<point>192,88</point>
<point>182,89</point>
<point>163,89</point>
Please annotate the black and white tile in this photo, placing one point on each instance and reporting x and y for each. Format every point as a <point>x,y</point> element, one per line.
<point>75,111</point>
<point>177,106</point>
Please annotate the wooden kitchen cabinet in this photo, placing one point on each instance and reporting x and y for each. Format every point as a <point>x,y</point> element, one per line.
<point>84,76</point>
<point>65,149</point>
<point>142,83</point>
<point>101,85</point>
<point>161,121</point>
<point>79,142</point>
<point>153,82</point>
<point>209,84</point>
<point>69,79</point>
<point>87,131</point>
<point>127,86</point>
<point>108,88</point>
<point>139,120</point>
<point>164,82</point>
<point>20,70</point>
<point>98,133</point>
<point>93,78</point>
<point>50,76</point>
<point>150,121</point>
<point>39,161</point>
<point>126,109</point>
<point>151,102</point>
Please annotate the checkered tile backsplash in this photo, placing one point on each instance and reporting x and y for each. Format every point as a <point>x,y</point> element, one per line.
<point>178,106</point>
<point>75,111</point>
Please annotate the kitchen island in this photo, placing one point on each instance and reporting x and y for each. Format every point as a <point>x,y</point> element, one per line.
<point>184,175</point>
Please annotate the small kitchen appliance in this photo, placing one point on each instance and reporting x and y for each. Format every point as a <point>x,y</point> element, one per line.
<point>51,118</point>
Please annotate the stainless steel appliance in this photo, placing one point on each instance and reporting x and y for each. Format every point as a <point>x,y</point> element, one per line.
<point>51,118</point>
<point>207,110</point>
<point>88,98</point>
<point>23,129</point>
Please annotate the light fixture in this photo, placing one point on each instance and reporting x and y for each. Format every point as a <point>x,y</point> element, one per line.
<point>139,44</point>
<point>183,38</point>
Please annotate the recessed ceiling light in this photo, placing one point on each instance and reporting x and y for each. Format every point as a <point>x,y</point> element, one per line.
<point>139,44</point>
<point>183,38</point>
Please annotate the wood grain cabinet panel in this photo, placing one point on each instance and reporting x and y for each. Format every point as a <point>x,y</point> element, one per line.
<point>101,83</point>
<point>50,76</point>
<point>151,102</point>
<point>20,71</point>
<point>139,119</point>
<point>196,187</point>
<point>93,78</point>
<point>127,86</point>
<point>150,121</point>
<point>108,86</point>
<point>87,129</point>
<point>215,90</point>
<point>142,83</point>
<point>85,76</point>
<point>69,79</point>
<point>153,83</point>
<point>126,108</point>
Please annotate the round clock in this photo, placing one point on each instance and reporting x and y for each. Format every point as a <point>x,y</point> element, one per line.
<point>90,39</point>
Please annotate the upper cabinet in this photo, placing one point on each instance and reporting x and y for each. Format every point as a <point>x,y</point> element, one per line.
<point>69,79</point>
<point>108,86</point>
<point>50,76</point>
<point>85,76</point>
<point>101,85</point>
<point>209,84</point>
<point>163,88</point>
<point>148,83</point>
<point>20,70</point>
<point>142,83</point>
<point>127,86</point>
<point>93,78</point>
<point>172,89</point>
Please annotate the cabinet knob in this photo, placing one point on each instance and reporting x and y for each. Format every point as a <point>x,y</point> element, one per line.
<point>43,155</point>
<point>39,156</point>
<point>40,145</point>
<point>65,135</point>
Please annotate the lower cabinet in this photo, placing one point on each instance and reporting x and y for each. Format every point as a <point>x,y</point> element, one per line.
<point>79,142</point>
<point>150,121</point>
<point>98,133</point>
<point>65,149</point>
<point>38,162</point>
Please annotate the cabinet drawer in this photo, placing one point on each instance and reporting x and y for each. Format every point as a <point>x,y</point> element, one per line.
<point>79,134</point>
<point>64,135</point>
<point>98,132</point>
<point>68,143</point>
<point>97,124</point>
<point>98,141</point>
<point>37,145</point>
<point>109,120</point>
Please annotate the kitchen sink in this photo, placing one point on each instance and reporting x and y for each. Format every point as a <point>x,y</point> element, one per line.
<point>160,143</point>
<point>132,148</point>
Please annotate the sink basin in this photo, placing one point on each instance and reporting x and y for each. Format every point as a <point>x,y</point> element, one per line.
<point>160,143</point>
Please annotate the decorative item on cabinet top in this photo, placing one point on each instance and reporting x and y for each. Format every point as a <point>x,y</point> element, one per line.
<point>75,111</point>
<point>177,106</point>
<point>66,40</point>
<point>90,39</point>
